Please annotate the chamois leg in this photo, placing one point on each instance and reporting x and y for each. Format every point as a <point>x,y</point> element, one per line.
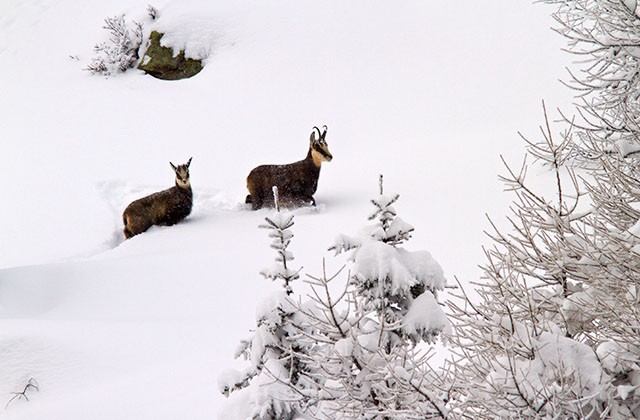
<point>127,233</point>
<point>305,200</point>
<point>134,225</point>
<point>257,202</point>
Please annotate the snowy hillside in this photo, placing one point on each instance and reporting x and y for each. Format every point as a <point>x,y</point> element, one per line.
<point>428,94</point>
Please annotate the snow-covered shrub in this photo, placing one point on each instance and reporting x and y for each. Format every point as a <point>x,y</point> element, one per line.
<point>605,35</point>
<point>31,385</point>
<point>120,52</point>
<point>152,12</point>
<point>544,338</point>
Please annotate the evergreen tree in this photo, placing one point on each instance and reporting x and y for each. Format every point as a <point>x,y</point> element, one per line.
<point>354,355</point>
<point>392,293</point>
<point>279,226</point>
<point>276,369</point>
<point>388,279</point>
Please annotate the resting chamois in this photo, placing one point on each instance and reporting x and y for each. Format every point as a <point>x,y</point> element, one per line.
<point>164,208</point>
<point>296,182</point>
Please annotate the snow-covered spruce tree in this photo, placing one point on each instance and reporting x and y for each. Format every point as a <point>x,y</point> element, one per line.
<point>120,52</point>
<point>392,281</point>
<point>373,368</point>
<point>356,377</point>
<point>355,355</point>
<point>267,385</point>
<point>278,227</point>
<point>554,331</point>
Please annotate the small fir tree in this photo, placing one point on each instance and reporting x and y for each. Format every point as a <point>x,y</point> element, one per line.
<point>354,355</point>
<point>275,368</point>
<point>391,308</point>
<point>279,226</point>
<point>389,280</point>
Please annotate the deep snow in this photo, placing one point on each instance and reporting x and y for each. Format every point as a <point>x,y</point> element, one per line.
<point>428,94</point>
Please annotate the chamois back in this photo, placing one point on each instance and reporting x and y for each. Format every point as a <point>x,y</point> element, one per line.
<point>297,182</point>
<point>164,208</point>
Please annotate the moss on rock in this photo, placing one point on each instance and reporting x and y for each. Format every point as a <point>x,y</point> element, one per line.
<point>160,62</point>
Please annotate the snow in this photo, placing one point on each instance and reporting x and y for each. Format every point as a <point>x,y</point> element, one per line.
<point>543,377</point>
<point>377,260</point>
<point>196,33</point>
<point>425,315</point>
<point>428,94</point>
<point>615,358</point>
<point>344,347</point>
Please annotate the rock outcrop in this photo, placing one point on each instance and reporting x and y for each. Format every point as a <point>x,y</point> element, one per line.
<point>162,63</point>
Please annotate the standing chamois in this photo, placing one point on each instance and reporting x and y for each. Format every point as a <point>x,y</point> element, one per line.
<point>164,208</point>
<point>296,182</point>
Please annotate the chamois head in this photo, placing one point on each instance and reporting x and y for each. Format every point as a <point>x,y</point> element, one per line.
<point>182,174</point>
<point>318,146</point>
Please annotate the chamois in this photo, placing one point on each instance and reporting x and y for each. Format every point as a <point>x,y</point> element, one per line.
<point>296,182</point>
<point>164,208</point>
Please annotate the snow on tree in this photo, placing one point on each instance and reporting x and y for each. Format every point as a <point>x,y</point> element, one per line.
<point>605,35</point>
<point>374,368</point>
<point>395,283</point>
<point>569,270</point>
<point>554,333</point>
<point>278,227</point>
<point>351,355</point>
<point>120,52</point>
<point>611,269</point>
<point>267,385</point>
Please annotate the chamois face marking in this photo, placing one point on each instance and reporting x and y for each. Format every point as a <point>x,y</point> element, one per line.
<point>182,174</point>
<point>320,153</point>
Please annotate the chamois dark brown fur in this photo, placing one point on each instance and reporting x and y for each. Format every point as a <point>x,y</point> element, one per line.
<point>164,208</point>
<point>297,182</point>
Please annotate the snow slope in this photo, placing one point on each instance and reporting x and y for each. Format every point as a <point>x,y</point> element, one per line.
<point>427,93</point>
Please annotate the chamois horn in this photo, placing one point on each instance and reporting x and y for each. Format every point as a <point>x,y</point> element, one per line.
<point>319,133</point>
<point>324,132</point>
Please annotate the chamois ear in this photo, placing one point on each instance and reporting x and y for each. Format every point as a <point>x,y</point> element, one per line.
<point>189,162</point>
